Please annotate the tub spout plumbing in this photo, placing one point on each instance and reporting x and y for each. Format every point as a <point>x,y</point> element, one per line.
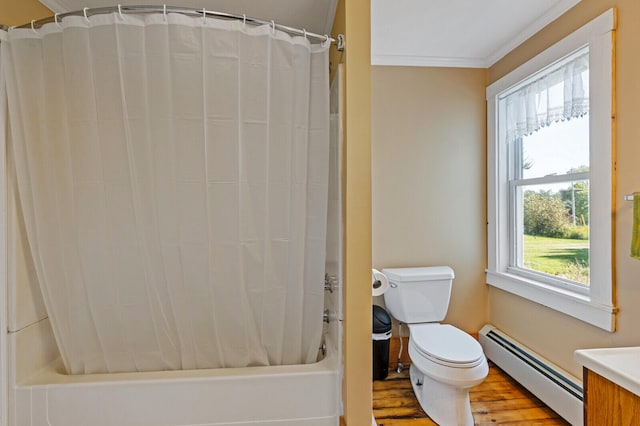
<point>328,316</point>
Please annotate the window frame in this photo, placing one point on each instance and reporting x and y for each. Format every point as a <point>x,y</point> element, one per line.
<point>595,305</point>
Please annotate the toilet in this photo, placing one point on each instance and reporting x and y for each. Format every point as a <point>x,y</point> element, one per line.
<point>445,361</point>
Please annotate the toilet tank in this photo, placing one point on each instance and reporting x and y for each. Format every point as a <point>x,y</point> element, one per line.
<point>417,295</point>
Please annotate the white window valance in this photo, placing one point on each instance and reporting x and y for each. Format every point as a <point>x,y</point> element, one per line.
<point>560,92</point>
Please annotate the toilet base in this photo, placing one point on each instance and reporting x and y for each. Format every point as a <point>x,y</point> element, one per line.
<point>445,404</point>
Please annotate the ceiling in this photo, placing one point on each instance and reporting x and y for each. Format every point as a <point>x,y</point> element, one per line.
<point>455,33</point>
<point>452,33</point>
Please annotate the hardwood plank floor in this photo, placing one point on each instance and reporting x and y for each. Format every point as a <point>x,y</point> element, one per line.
<point>499,400</point>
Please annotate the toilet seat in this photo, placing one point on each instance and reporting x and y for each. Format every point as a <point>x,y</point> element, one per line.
<point>446,345</point>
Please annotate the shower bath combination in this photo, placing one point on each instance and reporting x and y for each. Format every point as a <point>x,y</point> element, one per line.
<point>178,180</point>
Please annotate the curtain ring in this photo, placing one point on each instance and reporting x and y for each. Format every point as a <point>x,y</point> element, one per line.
<point>85,13</point>
<point>304,32</point>
<point>120,11</point>
<point>33,26</point>
<point>244,19</point>
<point>204,15</point>
<point>55,19</point>
<point>164,11</point>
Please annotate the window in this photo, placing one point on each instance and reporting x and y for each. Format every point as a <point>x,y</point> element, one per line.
<point>547,137</point>
<point>550,177</point>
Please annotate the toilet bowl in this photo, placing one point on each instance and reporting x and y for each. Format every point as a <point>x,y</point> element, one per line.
<point>445,361</point>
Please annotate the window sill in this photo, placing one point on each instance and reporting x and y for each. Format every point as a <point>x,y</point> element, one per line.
<point>567,302</point>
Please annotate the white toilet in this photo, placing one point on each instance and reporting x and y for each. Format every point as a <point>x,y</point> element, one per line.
<point>445,361</point>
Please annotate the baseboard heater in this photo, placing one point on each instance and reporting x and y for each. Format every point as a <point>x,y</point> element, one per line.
<point>561,391</point>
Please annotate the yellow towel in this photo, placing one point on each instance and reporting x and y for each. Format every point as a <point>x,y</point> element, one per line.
<point>635,237</point>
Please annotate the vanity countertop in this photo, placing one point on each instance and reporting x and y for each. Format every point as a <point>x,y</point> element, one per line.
<point>618,365</point>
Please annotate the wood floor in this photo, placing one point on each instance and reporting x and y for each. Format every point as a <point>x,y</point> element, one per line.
<point>499,400</point>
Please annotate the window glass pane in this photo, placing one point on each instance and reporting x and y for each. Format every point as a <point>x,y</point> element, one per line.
<point>557,149</point>
<point>552,222</point>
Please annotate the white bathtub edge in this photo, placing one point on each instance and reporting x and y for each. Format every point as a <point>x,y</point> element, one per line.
<point>274,396</point>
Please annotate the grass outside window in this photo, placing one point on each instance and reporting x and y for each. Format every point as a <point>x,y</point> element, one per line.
<point>562,257</point>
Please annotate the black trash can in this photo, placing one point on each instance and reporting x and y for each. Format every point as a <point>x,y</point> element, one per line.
<point>381,336</point>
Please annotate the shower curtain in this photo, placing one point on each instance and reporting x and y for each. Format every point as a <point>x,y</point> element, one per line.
<point>172,172</point>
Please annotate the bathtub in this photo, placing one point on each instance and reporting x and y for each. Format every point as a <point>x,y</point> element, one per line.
<point>295,395</point>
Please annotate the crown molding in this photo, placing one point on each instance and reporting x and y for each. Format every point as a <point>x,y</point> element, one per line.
<point>551,15</point>
<point>561,7</point>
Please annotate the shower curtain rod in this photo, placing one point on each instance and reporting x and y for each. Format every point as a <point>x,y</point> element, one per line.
<point>86,12</point>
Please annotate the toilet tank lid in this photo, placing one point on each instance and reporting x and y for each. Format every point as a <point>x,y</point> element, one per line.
<point>425,273</point>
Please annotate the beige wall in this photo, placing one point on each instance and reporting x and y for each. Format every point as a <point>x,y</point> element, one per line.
<point>549,332</point>
<point>429,178</point>
<point>18,12</point>
<point>352,19</point>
